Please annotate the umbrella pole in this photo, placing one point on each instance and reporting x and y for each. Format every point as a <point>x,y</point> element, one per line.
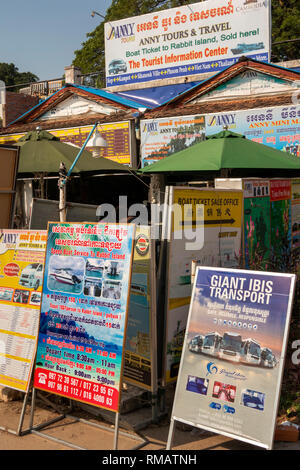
<point>62,192</point>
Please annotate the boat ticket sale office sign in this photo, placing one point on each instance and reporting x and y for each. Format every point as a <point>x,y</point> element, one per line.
<point>232,362</point>
<point>84,311</point>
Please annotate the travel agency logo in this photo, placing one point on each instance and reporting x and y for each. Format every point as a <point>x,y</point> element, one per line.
<point>212,369</point>
<point>221,120</point>
<point>123,31</point>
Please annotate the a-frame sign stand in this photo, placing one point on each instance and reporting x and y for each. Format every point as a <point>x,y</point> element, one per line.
<point>37,429</point>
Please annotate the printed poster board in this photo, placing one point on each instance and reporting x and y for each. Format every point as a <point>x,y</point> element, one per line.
<point>277,127</point>
<point>221,224</point>
<point>22,255</point>
<point>84,312</point>
<point>234,350</point>
<point>139,368</point>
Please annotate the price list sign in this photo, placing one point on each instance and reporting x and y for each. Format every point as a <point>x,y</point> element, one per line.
<point>84,312</point>
<point>22,255</point>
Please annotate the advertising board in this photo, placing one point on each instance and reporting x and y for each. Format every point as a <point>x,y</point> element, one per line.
<point>277,127</point>
<point>220,226</point>
<point>116,134</point>
<point>22,255</point>
<point>139,348</point>
<point>234,350</point>
<point>187,40</point>
<point>84,312</point>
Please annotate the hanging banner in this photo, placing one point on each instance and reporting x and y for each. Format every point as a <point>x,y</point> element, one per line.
<point>84,312</point>
<point>277,127</point>
<point>281,226</point>
<point>295,189</point>
<point>257,223</point>
<point>138,368</point>
<point>213,217</point>
<point>234,350</point>
<point>22,255</point>
<point>186,40</point>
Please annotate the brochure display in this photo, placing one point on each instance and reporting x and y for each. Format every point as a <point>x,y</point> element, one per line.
<point>84,312</point>
<point>233,356</point>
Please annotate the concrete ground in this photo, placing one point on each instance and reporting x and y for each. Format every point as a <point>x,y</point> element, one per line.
<point>186,438</point>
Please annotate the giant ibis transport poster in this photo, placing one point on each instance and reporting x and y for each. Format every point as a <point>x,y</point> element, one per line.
<point>233,355</point>
<point>84,311</point>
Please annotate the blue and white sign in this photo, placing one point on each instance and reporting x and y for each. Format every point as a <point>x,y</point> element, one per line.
<point>233,355</point>
<point>187,40</point>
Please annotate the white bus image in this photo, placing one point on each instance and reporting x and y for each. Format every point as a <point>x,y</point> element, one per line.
<point>32,276</point>
<point>267,358</point>
<point>251,351</point>
<point>230,347</point>
<point>196,343</point>
<point>211,343</point>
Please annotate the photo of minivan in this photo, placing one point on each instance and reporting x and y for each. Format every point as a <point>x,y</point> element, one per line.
<point>117,66</point>
<point>32,276</point>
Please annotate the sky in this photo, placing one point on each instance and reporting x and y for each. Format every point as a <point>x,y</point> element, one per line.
<point>40,36</point>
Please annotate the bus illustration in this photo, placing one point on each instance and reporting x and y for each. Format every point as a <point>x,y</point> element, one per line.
<point>211,343</point>
<point>267,358</point>
<point>32,276</point>
<point>230,347</point>
<point>251,351</point>
<point>196,343</point>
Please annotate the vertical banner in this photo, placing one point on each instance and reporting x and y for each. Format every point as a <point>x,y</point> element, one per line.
<point>84,311</point>
<point>295,195</point>
<point>138,368</point>
<point>257,223</point>
<point>281,226</point>
<point>232,363</point>
<point>22,255</point>
<point>206,227</point>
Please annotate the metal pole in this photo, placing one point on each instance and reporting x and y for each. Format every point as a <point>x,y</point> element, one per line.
<point>32,409</point>
<point>116,431</point>
<point>170,435</point>
<point>22,414</point>
<point>62,193</point>
<point>80,152</point>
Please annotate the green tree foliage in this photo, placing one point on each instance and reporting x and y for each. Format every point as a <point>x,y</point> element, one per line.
<point>91,57</point>
<point>10,75</point>
<point>285,26</point>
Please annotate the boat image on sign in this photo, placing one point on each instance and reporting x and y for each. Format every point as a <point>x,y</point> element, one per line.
<point>65,276</point>
<point>242,48</point>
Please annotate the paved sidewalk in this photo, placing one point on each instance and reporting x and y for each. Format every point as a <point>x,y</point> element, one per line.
<point>91,438</point>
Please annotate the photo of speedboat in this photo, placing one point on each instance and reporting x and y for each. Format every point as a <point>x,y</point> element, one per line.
<point>65,276</point>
